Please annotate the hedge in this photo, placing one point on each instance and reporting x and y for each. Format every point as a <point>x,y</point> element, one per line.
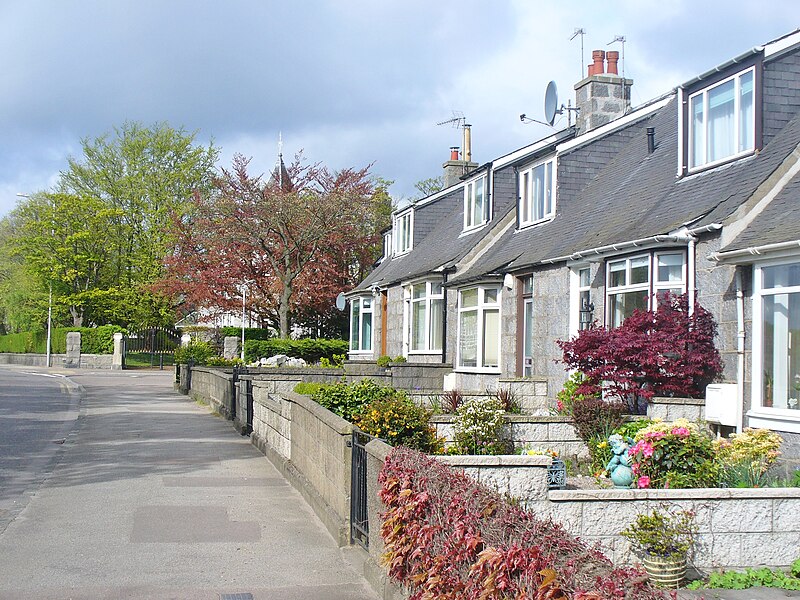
<point>447,536</point>
<point>250,333</point>
<point>94,340</point>
<point>310,350</point>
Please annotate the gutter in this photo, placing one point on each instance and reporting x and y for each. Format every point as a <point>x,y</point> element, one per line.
<point>733,255</point>
<point>728,63</point>
<point>685,237</point>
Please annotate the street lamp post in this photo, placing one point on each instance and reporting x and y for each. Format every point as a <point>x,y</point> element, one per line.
<point>49,300</point>
<point>244,295</point>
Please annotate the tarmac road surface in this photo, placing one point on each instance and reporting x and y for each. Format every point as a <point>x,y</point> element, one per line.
<point>148,496</point>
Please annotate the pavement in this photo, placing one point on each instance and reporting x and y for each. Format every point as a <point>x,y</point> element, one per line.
<point>152,496</point>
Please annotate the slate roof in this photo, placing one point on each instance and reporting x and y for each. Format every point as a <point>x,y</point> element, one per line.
<point>441,248</point>
<point>635,196</point>
<point>772,226</point>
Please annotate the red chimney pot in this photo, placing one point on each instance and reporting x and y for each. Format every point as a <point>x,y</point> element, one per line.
<point>454,153</point>
<point>613,59</point>
<point>598,68</point>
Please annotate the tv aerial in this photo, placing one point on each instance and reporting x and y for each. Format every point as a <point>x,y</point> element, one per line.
<point>458,121</point>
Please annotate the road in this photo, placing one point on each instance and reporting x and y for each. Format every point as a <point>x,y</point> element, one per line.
<point>150,496</point>
<point>37,412</point>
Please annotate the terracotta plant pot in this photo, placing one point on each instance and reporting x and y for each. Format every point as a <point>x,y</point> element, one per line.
<point>665,571</point>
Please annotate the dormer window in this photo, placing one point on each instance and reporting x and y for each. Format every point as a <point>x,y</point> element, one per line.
<point>476,203</point>
<point>403,238</point>
<point>722,120</point>
<point>387,244</point>
<point>537,193</point>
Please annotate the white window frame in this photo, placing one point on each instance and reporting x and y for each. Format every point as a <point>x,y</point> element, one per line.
<point>428,299</point>
<point>787,419</point>
<point>526,205</point>
<point>387,244</point>
<point>528,284</point>
<point>652,286</point>
<point>482,308</point>
<point>704,162</point>
<point>403,233</point>
<point>366,306</point>
<point>470,200</point>
<point>577,289</point>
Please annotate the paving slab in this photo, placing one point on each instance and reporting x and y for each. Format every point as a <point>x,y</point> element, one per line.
<point>155,497</point>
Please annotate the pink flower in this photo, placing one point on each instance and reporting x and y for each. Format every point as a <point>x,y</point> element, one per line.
<point>643,446</point>
<point>654,435</point>
<point>643,481</point>
<point>681,431</point>
<point>559,406</point>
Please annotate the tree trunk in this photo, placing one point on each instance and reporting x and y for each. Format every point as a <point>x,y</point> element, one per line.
<point>77,316</point>
<point>283,310</point>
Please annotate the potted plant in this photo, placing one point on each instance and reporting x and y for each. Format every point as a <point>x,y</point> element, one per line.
<point>663,538</point>
<point>556,472</point>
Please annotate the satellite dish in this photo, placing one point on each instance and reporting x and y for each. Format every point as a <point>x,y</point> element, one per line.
<point>340,301</point>
<point>550,102</point>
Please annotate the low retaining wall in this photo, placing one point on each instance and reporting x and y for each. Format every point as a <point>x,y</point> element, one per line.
<point>87,361</point>
<point>738,528</point>
<point>215,387</point>
<point>310,446</point>
<point>550,432</point>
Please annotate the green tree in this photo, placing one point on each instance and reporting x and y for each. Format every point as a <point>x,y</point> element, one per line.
<point>429,186</point>
<point>101,239</point>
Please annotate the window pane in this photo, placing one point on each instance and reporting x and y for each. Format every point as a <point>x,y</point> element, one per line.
<point>640,270</point>
<point>623,305</point>
<point>721,121</point>
<point>583,275</point>
<point>366,331</point>
<point>418,291</point>
<point>355,323</point>
<point>478,207</point>
<point>781,276</point>
<point>528,328</point>
<point>537,192</point>
<point>366,303</point>
<point>781,351</point>
<point>670,267</point>
<point>469,298</point>
<point>491,338</point>
<point>418,325</point>
<point>437,324</point>
<point>527,285</point>
<point>468,339</point>
<point>525,198</point>
<point>548,189</point>
<point>617,274</point>
<point>436,289</point>
<point>746,120</point>
<point>490,296</point>
<point>697,122</point>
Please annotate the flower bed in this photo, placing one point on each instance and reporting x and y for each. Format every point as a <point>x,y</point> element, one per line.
<point>446,536</point>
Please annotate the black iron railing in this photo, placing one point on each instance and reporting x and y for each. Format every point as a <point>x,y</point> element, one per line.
<point>359,515</point>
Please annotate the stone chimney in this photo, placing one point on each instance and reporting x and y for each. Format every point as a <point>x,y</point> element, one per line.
<point>459,165</point>
<point>603,96</point>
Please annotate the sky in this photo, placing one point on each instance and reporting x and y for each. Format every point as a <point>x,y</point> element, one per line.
<point>351,83</point>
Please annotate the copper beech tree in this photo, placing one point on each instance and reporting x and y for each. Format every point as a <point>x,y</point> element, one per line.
<point>294,240</point>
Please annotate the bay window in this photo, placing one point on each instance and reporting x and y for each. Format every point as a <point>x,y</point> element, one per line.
<point>426,317</point>
<point>776,365</point>
<point>722,120</point>
<point>361,324</point>
<point>476,204</point>
<point>479,328</point>
<point>636,283</point>
<point>537,193</point>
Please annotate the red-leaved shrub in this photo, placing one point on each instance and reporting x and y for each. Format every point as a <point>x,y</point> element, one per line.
<point>666,352</point>
<point>449,538</point>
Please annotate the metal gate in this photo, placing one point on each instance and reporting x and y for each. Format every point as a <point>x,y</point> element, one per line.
<point>243,399</point>
<point>151,347</point>
<point>359,516</point>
